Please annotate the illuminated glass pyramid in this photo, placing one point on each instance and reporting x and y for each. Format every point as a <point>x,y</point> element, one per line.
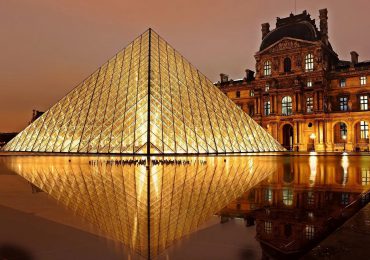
<point>147,99</point>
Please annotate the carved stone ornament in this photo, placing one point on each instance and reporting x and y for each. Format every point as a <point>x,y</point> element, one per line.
<point>285,45</point>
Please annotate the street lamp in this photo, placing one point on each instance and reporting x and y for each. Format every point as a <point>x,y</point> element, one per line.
<point>312,137</point>
<point>344,137</point>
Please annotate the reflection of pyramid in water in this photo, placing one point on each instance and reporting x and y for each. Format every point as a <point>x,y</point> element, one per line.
<point>146,94</point>
<point>115,198</point>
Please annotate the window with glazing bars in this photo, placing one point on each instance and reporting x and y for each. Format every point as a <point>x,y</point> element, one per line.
<point>267,68</point>
<point>364,130</point>
<point>364,103</point>
<point>343,103</point>
<point>267,107</point>
<point>309,105</point>
<point>365,176</point>
<point>309,62</point>
<point>363,80</point>
<point>309,83</point>
<point>268,227</point>
<point>287,197</point>
<point>268,195</point>
<point>310,232</point>
<point>310,198</point>
<point>286,106</point>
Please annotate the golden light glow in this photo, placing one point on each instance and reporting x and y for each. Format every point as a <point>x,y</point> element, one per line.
<point>183,192</point>
<point>146,95</point>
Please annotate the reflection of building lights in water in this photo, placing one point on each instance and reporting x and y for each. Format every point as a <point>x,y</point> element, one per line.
<point>313,167</point>
<point>345,165</point>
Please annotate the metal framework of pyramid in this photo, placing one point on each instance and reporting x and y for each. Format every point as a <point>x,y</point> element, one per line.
<point>147,99</point>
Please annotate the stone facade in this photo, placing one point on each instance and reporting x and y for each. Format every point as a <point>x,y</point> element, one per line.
<point>301,92</point>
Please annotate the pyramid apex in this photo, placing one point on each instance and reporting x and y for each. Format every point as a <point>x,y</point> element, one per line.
<point>141,102</point>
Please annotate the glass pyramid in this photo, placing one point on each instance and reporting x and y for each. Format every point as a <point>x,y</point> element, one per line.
<point>145,208</point>
<point>147,99</point>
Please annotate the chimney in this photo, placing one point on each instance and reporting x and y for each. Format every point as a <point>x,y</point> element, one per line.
<point>265,29</point>
<point>324,25</point>
<point>354,58</point>
<point>249,75</point>
<point>224,78</point>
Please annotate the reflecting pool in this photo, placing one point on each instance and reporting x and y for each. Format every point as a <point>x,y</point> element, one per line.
<point>305,200</point>
<point>145,203</point>
<point>150,203</point>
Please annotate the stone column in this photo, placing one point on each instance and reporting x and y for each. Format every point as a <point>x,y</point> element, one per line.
<point>276,105</point>
<point>329,136</point>
<point>351,138</point>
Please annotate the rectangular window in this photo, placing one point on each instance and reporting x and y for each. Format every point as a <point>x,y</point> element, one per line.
<point>267,87</point>
<point>342,83</point>
<point>365,176</point>
<point>364,103</point>
<point>238,94</point>
<point>343,103</point>
<point>251,93</point>
<point>267,108</point>
<point>287,106</point>
<point>363,80</point>
<point>268,195</point>
<point>364,130</point>
<point>310,232</point>
<point>310,198</point>
<point>309,62</point>
<point>268,227</point>
<point>309,105</point>
<point>309,83</point>
<point>288,197</point>
<point>344,199</point>
<point>267,68</point>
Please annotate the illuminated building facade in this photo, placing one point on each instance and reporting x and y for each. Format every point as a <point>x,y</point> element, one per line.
<point>147,99</point>
<point>302,93</point>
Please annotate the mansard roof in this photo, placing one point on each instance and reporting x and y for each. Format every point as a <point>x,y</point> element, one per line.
<point>299,26</point>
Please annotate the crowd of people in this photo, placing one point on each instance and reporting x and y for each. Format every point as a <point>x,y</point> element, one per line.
<point>137,162</point>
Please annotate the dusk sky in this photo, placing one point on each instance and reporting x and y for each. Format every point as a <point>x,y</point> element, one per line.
<point>48,47</point>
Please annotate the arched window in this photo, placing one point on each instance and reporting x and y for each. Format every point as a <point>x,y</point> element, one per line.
<point>309,62</point>
<point>287,65</point>
<point>286,108</point>
<point>267,68</point>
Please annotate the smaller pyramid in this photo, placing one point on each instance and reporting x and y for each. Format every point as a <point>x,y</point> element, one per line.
<point>147,99</point>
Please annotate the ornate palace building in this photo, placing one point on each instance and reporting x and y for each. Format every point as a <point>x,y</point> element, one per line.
<point>302,93</point>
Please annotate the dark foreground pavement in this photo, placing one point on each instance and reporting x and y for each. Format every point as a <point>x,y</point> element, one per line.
<point>350,241</point>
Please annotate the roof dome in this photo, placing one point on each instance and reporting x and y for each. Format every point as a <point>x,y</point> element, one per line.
<point>296,26</point>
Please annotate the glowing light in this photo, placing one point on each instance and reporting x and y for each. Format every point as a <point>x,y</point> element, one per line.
<point>313,168</point>
<point>118,110</point>
<point>112,192</point>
